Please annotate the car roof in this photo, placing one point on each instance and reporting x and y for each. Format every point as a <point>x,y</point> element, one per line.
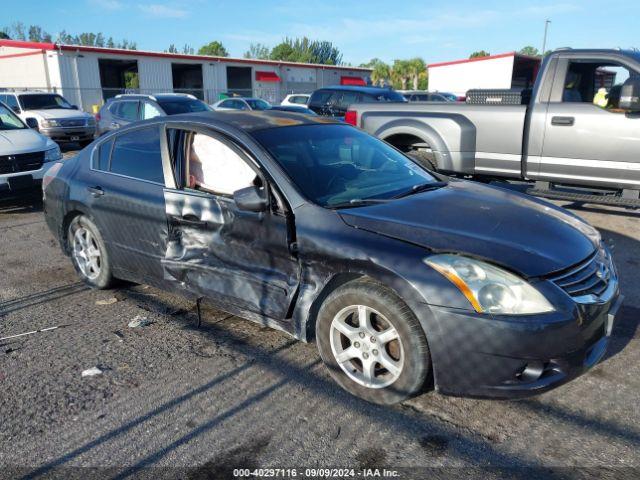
<point>353,88</point>
<point>254,120</point>
<point>33,93</point>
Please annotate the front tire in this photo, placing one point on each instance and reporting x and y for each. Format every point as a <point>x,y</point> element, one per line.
<point>88,252</point>
<point>425,158</point>
<point>372,343</point>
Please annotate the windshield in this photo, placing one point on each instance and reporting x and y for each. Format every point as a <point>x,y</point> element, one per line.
<point>45,101</point>
<point>175,107</point>
<point>9,120</point>
<point>333,165</point>
<point>257,104</point>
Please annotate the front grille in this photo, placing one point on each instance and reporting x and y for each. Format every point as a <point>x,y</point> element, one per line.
<point>590,277</point>
<point>80,122</point>
<point>21,162</point>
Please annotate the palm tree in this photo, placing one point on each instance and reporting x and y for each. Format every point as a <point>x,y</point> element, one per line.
<point>415,67</point>
<point>400,73</point>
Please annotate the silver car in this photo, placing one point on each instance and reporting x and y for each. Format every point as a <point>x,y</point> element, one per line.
<point>128,108</point>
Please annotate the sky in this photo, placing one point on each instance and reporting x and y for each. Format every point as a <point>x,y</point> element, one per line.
<point>361,29</point>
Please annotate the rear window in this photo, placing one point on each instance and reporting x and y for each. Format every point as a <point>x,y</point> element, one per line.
<point>44,101</point>
<point>387,96</point>
<point>126,110</point>
<point>300,99</point>
<point>137,154</point>
<point>178,106</point>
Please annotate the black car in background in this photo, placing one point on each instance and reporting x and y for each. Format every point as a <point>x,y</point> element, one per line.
<point>127,108</point>
<point>311,226</point>
<point>334,101</point>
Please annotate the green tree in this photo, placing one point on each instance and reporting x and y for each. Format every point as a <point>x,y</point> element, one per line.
<point>416,67</point>
<point>479,53</point>
<point>4,35</point>
<point>304,50</point>
<point>380,72</point>
<point>37,34</point>
<point>188,49</point>
<point>529,51</point>
<point>257,51</point>
<point>111,43</point>
<point>172,49</point>
<point>215,49</point>
<point>400,74</point>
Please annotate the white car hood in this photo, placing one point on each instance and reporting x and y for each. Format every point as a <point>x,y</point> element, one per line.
<point>56,113</point>
<point>23,141</point>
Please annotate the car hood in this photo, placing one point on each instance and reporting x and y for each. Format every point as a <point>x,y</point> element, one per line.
<point>57,113</point>
<point>507,228</point>
<point>22,141</point>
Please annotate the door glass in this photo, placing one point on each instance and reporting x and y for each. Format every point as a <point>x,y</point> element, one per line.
<point>11,101</point>
<point>137,154</point>
<point>150,111</point>
<point>128,111</point>
<point>595,82</point>
<point>348,98</point>
<point>215,167</point>
<point>101,161</point>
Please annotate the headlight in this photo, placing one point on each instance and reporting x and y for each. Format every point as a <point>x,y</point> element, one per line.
<point>49,123</point>
<point>53,154</point>
<point>488,288</point>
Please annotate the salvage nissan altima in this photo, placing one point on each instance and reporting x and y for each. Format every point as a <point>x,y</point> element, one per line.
<point>407,280</point>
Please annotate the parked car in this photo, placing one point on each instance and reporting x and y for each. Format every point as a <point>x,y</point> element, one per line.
<point>124,109</point>
<point>293,108</point>
<point>311,226</point>
<point>241,103</point>
<point>56,117</point>
<point>25,154</point>
<point>560,138</point>
<point>424,96</point>
<point>334,101</point>
<point>296,99</point>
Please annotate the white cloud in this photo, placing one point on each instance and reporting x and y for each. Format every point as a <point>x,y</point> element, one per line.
<point>163,11</point>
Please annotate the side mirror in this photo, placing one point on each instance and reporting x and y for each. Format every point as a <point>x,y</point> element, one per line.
<point>75,107</point>
<point>630,95</point>
<point>251,199</point>
<point>32,123</point>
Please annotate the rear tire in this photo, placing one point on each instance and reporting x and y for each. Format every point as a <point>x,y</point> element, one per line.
<point>88,252</point>
<point>372,343</point>
<point>425,158</point>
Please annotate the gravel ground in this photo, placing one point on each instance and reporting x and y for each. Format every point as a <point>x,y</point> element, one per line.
<point>235,394</point>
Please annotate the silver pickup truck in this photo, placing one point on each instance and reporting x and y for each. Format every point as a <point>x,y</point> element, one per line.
<point>580,128</point>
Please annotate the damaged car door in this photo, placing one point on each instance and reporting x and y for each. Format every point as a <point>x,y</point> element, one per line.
<point>229,236</point>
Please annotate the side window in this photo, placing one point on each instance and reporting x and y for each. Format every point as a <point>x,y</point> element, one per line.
<point>299,99</point>
<point>348,98</point>
<point>595,82</point>
<point>150,111</point>
<point>320,98</point>
<point>127,111</point>
<point>11,101</point>
<point>215,167</point>
<point>137,154</point>
<point>101,159</point>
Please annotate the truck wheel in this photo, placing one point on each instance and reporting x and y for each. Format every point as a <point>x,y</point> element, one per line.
<point>88,252</point>
<point>372,343</point>
<point>425,158</point>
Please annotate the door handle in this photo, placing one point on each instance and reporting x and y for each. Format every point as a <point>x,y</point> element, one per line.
<point>563,121</point>
<point>188,221</point>
<point>115,125</point>
<point>95,191</point>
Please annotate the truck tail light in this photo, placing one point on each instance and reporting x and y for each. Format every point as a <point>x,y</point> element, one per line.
<point>97,117</point>
<point>351,117</point>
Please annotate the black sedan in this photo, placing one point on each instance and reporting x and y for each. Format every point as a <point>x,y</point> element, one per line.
<point>405,279</point>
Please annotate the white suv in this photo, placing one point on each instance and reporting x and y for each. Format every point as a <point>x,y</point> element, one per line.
<point>296,100</point>
<point>25,155</point>
<point>57,118</point>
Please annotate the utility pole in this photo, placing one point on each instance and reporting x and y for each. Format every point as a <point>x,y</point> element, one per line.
<point>544,40</point>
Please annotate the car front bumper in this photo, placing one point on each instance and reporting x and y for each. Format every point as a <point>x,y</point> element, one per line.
<point>489,357</point>
<point>12,182</point>
<point>69,134</point>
